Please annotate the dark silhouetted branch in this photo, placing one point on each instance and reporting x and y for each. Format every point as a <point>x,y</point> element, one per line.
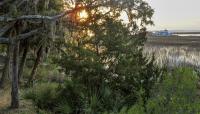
<point>4,40</point>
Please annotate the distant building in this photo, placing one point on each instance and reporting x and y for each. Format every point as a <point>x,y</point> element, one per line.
<point>162,33</point>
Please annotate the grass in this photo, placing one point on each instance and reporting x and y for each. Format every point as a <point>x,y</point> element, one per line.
<point>175,51</point>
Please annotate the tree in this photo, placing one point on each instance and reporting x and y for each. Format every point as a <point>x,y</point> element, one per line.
<point>18,25</point>
<point>38,21</point>
<point>104,60</point>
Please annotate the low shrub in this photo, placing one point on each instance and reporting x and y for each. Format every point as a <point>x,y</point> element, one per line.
<point>43,95</point>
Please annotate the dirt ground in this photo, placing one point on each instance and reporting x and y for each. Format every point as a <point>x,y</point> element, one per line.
<point>4,98</point>
<point>26,107</point>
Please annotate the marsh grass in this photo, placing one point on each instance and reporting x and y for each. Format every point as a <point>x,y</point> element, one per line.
<point>173,56</point>
<point>174,51</point>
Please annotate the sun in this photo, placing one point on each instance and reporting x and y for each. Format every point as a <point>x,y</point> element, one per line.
<point>82,15</point>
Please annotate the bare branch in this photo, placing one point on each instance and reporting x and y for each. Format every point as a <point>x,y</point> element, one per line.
<point>41,17</point>
<point>35,17</point>
<point>6,28</point>
<point>27,35</point>
<point>4,40</point>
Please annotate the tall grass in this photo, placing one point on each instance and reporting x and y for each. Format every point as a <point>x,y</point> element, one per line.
<point>173,56</point>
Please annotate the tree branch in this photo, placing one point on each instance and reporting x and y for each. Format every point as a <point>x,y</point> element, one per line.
<point>35,17</point>
<point>4,40</point>
<point>6,28</point>
<point>41,17</point>
<point>26,35</point>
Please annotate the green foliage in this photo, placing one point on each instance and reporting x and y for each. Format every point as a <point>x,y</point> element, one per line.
<point>63,108</point>
<point>46,72</point>
<point>2,49</point>
<point>43,95</point>
<point>177,94</point>
<point>105,71</point>
<point>108,70</point>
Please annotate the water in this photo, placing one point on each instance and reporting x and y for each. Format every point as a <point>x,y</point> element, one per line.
<point>174,56</point>
<point>187,34</point>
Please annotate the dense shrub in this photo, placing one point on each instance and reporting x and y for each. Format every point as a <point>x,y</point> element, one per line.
<point>43,95</point>
<point>177,94</point>
<point>46,72</point>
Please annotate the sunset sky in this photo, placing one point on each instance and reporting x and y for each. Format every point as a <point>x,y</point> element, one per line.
<point>176,14</point>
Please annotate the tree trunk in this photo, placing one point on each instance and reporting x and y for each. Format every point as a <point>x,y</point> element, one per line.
<point>15,86</point>
<point>23,61</point>
<point>37,62</point>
